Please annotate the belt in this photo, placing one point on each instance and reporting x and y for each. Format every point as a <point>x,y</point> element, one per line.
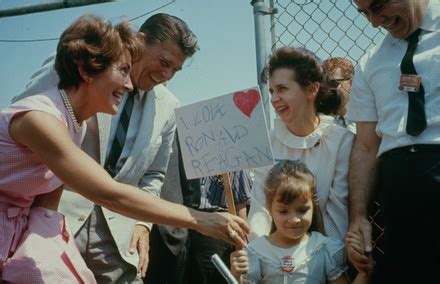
<point>20,214</point>
<point>411,149</point>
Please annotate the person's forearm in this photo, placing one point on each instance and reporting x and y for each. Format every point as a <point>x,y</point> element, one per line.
<point>48,138</point>
<point>362,178</point>
<point>135,204</point>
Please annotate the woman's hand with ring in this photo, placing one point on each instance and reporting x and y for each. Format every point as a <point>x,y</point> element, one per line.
<point>223,226</point>
<point>233,234</point>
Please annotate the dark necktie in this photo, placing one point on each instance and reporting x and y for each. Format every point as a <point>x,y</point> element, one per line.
<point>120,135</point>
<point>416,121</point>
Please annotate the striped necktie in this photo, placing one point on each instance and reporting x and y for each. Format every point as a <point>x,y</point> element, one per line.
<point>120,135</point>
<point>416,121</point>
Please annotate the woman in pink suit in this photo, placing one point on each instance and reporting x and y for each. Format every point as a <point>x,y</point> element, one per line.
<point>39,154</point>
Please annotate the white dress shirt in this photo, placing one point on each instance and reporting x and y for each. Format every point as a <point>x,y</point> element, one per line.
<point>376,97</point>
<point>132,132</point>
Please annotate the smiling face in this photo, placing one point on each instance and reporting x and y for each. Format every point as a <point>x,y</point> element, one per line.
<point>399,17</point>
<point>158,64</point>
<point>292,220</point>
<point>112,84</point>
<point>289,99</point>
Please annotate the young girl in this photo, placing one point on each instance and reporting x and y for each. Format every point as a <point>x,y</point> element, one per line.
<point>294,252</point>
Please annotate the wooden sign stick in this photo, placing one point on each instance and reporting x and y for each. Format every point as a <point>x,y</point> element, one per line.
<point>229,194</point>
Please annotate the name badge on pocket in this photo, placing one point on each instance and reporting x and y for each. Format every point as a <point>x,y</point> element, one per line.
<point>410,83</point>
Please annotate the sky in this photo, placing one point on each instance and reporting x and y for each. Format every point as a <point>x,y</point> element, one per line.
<point>226,61</point>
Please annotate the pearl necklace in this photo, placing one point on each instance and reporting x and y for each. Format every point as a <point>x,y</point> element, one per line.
<point>69,108</point>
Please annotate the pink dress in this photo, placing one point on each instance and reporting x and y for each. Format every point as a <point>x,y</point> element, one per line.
<point>35,245</point>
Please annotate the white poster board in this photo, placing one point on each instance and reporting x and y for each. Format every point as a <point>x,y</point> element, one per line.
<point>224,134</point>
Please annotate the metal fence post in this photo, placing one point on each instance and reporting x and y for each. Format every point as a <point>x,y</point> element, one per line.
<point>260,10</point>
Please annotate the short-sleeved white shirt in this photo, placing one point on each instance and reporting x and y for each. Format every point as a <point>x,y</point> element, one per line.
<point>375,95</point>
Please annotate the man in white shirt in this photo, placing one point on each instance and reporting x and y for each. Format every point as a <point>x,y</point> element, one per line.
<point>114,247</point>
<point>397,113</point>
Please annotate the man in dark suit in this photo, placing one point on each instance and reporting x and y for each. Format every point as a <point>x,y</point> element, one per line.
<point>168,252</point>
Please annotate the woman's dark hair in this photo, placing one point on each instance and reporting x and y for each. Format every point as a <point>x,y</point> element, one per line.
<point>95,44</point>
<point>308,69</point>
<point>289,180</point>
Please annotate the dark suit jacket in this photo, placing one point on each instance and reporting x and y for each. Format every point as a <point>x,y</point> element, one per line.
<point>176,188</point>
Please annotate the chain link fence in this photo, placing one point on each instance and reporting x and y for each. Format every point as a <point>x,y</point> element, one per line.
<point>329,28</point>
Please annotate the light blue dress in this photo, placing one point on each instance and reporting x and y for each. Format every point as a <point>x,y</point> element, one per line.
<point>316,260</point>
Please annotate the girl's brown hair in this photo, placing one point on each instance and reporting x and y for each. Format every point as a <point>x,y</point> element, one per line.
<point>289,180</point>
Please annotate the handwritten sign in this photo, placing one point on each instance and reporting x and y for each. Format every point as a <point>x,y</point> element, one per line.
<point>224,134</point>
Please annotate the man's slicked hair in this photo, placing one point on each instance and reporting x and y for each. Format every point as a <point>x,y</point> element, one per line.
<point>161,28</point>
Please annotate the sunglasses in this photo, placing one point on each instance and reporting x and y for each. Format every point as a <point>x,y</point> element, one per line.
<point>334,83</point>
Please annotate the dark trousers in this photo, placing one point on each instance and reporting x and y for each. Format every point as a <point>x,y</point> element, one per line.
<point>200,269</point>
<point>164,266</point>
<point>411,191</point>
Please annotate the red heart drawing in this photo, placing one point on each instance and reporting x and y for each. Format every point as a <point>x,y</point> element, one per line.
<point>246,101</point>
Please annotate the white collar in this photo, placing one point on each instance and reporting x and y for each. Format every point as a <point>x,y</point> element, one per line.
<point>297,142</point>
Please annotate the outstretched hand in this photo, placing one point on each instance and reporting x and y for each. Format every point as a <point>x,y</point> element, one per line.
<point>224,226</point>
